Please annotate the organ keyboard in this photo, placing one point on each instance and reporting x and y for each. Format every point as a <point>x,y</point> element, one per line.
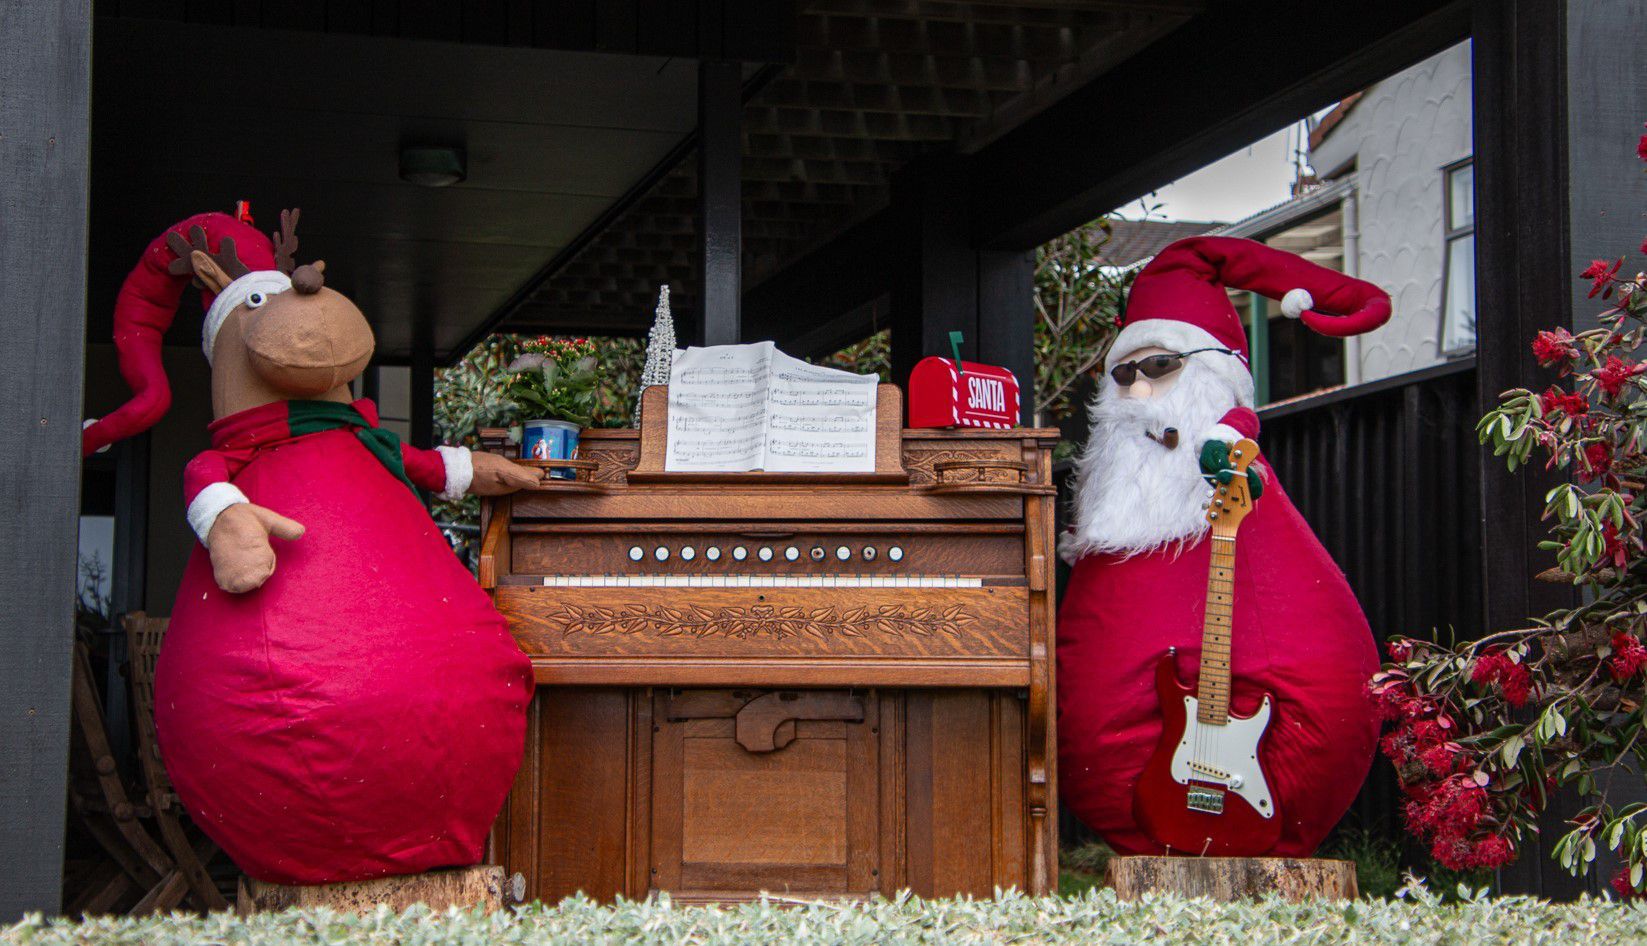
<point>831,685</point>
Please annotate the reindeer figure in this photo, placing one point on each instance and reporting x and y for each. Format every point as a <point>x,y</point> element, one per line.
<point>346,704</point>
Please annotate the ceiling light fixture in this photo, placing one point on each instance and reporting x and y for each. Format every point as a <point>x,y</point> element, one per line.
<point>432,165</point>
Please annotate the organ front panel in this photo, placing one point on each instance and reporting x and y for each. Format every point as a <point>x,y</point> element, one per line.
<point>816,685</point>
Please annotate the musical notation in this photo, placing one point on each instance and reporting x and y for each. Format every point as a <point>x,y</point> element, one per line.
<point>735,408</point>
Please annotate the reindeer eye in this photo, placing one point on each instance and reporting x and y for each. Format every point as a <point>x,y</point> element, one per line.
<point>254,300</point>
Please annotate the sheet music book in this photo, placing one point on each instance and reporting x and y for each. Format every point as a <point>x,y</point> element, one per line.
<point>737,408</point>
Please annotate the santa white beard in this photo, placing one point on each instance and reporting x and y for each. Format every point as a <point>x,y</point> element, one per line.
<point>1132,494</point>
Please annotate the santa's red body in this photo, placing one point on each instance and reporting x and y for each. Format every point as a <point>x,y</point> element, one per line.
<point>1298,634</point>
<point>360,714</point>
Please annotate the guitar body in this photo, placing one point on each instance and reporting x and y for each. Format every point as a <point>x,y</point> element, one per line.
<point>1203,791</point>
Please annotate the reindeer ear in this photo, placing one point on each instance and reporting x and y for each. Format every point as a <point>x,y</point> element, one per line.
<point>212,277</point>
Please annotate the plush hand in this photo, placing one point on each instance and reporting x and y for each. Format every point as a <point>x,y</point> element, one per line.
<point>242,558</point>
<point>1217,468</point>
<point>496,476</point>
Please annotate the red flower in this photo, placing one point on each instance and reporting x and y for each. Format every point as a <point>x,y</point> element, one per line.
<point>1598,459</point>
<point>1600,274</point>
<point>1516,685</point>
<point>1495,850</point>
<point>1612,376</point>
<point>1615,551</point>
<point>1513,680</point>
<point>1641,148</point>
<point>1554,348</point>
<point>1572,404</point>
<point>1401,650</point>
<point>1629,656</point>
<point>1444,758</point>
<point>1621,880</point>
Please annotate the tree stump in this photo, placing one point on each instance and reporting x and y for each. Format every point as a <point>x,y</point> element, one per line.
<point>464,887</point>
<point>1232,878</point>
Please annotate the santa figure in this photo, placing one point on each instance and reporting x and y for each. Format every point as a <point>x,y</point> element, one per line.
<point>336,698</point>
<point>1175,395</point>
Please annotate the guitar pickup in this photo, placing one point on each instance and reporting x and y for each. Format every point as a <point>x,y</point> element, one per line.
<point>1205,800</point>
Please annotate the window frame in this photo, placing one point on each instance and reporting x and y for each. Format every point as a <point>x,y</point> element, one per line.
<point>1451,234</point>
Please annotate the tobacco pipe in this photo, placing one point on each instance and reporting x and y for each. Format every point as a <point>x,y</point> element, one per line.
<point>1168,438</point>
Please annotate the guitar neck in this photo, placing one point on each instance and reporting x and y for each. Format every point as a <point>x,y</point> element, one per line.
<point>1213,690</point>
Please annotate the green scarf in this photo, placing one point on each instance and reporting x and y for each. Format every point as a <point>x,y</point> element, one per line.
<point>312,417</point>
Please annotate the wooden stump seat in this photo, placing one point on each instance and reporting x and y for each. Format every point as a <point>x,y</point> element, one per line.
<point>1232,878</point>
<point>462,887</point>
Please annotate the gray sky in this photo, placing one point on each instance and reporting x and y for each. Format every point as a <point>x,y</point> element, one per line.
<point>1258,176</point>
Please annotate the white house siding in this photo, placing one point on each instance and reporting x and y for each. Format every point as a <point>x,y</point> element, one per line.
<point>1400,135</point>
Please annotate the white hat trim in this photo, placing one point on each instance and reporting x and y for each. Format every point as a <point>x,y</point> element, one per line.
<point>1177,335</point>
<point>267,281</point>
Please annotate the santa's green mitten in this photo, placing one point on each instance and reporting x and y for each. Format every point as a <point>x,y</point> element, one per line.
<point>1217,468</point>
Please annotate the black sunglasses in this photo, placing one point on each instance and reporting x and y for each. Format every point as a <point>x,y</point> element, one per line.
<point>1155,366</point>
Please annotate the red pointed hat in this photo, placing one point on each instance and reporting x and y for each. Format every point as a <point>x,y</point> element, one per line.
<point>148,301</point>
<point>1179,301</point>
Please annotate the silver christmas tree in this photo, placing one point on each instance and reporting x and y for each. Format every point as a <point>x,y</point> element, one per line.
<point>660,350</point>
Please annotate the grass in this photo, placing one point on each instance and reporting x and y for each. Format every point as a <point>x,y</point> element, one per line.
<point>1415,919</point>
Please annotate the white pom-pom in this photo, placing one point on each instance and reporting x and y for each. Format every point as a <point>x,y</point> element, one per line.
<point>1296,303</point>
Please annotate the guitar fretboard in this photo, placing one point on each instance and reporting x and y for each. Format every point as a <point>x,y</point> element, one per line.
<point>1213,689</point>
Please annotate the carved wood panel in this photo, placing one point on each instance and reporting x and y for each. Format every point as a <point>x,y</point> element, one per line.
<point>739,623</point>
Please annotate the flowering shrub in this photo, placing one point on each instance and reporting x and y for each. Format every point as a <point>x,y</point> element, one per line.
<point>554,378</point>
<point>1483,731</point>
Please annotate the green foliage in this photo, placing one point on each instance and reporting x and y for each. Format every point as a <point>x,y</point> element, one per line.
<point>1079,299</point>
<point>476,392</point>
<point>554,378</point>
<point>873,356</point>
<point>1417,919</point>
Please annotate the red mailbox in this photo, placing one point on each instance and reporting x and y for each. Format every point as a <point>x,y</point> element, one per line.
<point>976,396</point>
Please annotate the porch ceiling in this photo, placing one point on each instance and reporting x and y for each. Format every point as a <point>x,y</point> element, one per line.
<point>190,117</point>
<point>874,84</point>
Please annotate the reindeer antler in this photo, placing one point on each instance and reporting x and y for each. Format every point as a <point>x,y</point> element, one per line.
<point>225,256</point>
<point>285,242</point>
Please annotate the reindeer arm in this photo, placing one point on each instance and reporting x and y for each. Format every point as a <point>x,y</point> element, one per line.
<point>208,490</point>
<point>444,471</point>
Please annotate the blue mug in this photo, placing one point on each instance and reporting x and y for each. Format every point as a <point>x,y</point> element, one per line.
<point>550,440</point>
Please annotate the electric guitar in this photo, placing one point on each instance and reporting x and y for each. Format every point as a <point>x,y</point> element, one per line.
<point>1204,792</point>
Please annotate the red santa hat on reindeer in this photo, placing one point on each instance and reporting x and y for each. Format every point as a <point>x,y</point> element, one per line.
<point>1179,302</point>
<point>149,298</point>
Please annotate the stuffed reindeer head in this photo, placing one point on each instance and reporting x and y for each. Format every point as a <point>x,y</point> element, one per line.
<point>273,330</point>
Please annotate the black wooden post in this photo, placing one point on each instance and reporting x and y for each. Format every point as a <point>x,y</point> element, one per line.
<point>720,201</point>
<point>1558,105</point>
<point>45,70</point>
<point>942,283</point>
<point>422,388</point>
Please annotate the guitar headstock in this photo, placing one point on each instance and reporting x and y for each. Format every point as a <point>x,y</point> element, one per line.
<point>1233,500</point>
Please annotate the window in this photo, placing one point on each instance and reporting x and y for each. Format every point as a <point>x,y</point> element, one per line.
<point>1458,275</point>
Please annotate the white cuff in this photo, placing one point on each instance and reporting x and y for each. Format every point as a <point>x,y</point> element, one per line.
<point>209,503</point>
<point>460,472</point>
<point>1296,303</point>
<point>1225,433</point>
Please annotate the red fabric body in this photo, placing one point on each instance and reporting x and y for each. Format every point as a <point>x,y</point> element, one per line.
<point>1298,634</point>
<point>363,713</point>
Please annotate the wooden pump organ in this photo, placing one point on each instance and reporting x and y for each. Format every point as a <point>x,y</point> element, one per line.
<point>819,685</point>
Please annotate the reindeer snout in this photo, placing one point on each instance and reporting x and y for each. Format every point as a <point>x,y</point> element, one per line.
<point>308,341</point>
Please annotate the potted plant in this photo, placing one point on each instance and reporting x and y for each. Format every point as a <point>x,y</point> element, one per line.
<point>553,385</point>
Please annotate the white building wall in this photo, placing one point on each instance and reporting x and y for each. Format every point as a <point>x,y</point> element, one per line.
<point>1400,135</point>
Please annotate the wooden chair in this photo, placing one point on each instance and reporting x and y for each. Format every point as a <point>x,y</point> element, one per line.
<point>190,849</point>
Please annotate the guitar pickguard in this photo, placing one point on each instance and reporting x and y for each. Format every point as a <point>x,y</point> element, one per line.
<point>1225,756</point>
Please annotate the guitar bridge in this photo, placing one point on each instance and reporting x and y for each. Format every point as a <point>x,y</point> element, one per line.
<point>1208,801</point>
